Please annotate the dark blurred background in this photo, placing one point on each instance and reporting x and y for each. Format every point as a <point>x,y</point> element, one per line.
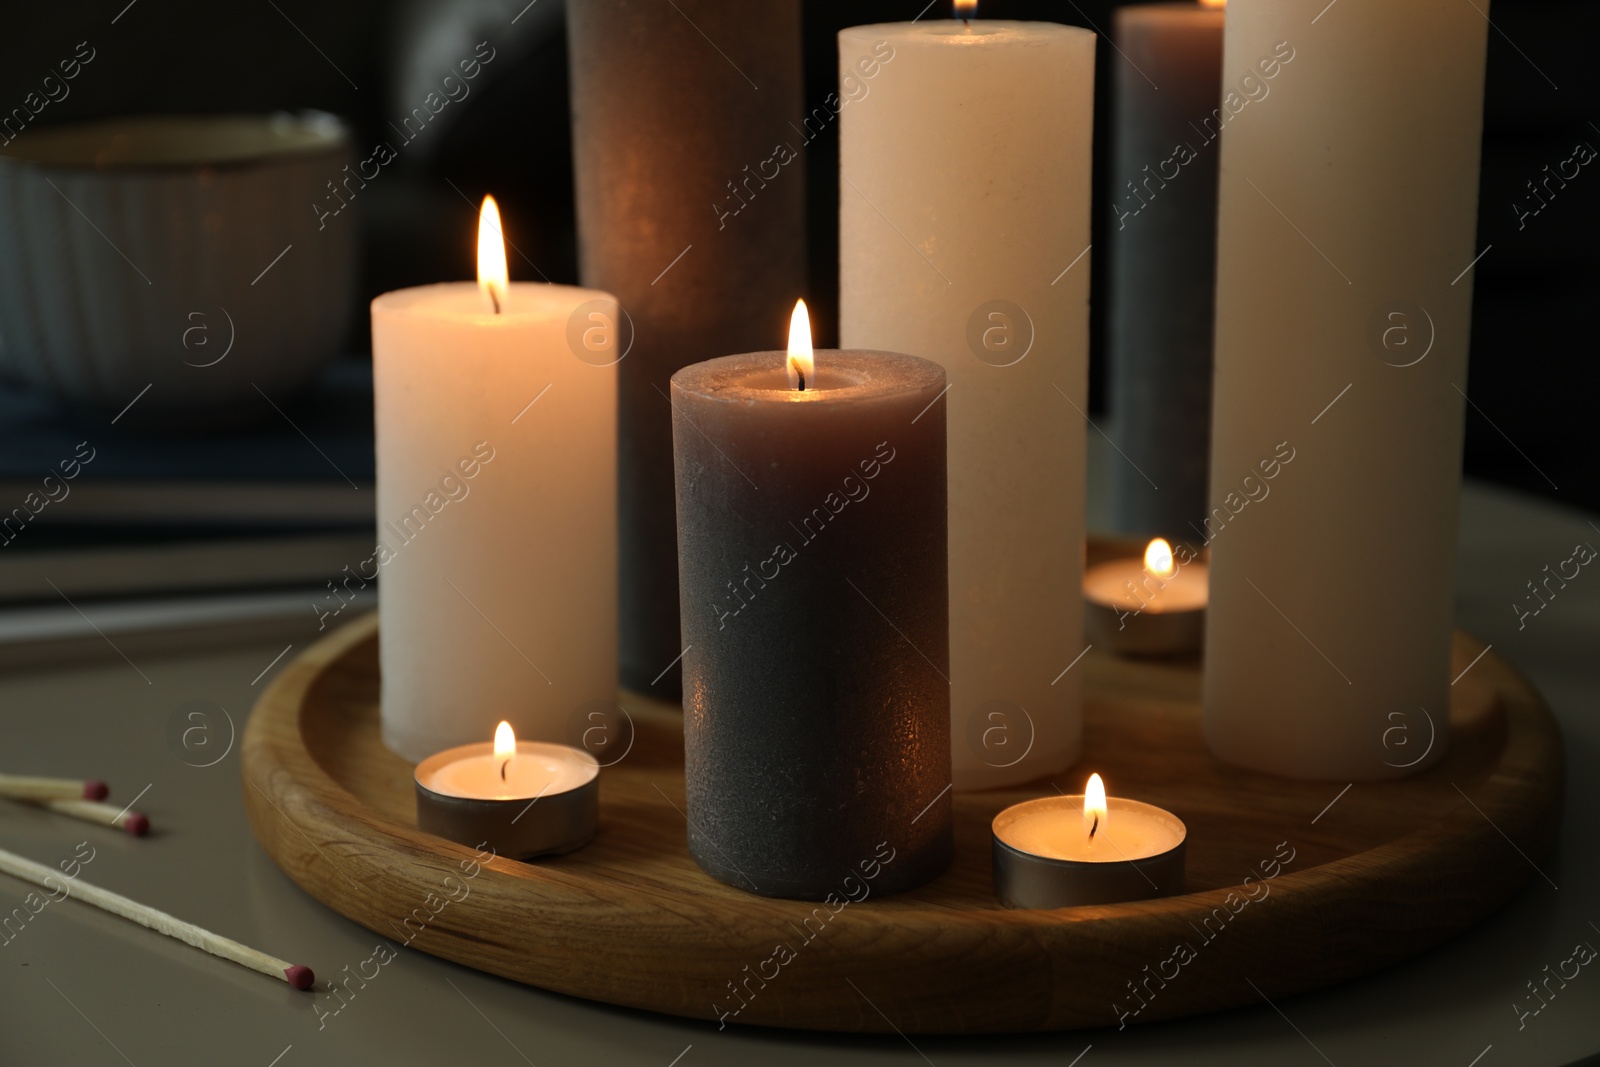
<point>1533,370</point>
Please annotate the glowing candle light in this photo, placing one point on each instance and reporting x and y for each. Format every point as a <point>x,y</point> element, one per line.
<point>483,794</point>
<point>1094,806</point>
<point>1154,606</point>
<point>493,277</point>
<point>802,361</point>
<point>505,746</point>
<point>1062,851</point>
<point>1158,559</point>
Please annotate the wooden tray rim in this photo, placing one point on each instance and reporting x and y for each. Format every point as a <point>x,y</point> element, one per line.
<point>1516,804</point>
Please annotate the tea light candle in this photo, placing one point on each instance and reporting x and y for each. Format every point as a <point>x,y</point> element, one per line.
<point>1150,607</point>
<point>522,798</point>
<point>1067,851</point>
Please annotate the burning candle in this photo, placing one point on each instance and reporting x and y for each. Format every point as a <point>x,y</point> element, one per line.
<point>496,436</point>
<point>811,550</point>
<point>964,237</point>
<point>1150,607</point>
<point>522,798</point>
<point>1065,851</point>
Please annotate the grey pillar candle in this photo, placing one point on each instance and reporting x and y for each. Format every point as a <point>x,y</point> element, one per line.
<point>811,541</point>
<point>691,210</point>
<point>1163,262</point>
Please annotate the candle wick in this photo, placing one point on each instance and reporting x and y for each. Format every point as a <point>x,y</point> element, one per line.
<point>802,376</point>
<point>495,301</point>
<point>1095,827</point>
<point>503,770</point>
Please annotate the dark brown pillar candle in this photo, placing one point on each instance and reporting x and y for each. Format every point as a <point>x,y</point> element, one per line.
<point>691,191</point>
<point>1163,249</point>
<point>811,547</point>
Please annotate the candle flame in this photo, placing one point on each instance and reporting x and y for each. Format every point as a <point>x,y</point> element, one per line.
<point>802,360</point>
<point>1214,5</point>
<point>505,741</point>
<point>966,9</point>
<point>1094,805</point>
<point>1158,559</point>
<point>492,274</point>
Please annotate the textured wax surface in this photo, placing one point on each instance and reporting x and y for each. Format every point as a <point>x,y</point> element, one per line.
<point>1162,249</point>
<point>705,255</point>
<point>816,700</point>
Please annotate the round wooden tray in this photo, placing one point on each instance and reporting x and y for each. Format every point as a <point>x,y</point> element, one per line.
<point>1378,872</point>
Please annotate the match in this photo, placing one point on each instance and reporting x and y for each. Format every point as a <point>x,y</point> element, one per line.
<point>38,874</point>
<point>17,787</point>
<point>135,823</point>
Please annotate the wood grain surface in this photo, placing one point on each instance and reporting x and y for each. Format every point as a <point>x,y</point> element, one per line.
<point>1386,871</point>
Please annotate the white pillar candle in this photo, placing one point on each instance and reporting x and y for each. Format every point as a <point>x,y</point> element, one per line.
<point>1345,236</point>
<point>496,441</point>
<point>964,233</point>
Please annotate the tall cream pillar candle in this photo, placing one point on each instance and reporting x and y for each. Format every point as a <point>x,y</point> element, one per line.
<point>496,438</point>
<point>1344,291</point>
<point>964,238</point>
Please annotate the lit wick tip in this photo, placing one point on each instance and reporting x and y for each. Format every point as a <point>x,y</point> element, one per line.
<point>493,278</point>
<point>505,746</point>
<point>1094,805</point>
<point>801,363</point>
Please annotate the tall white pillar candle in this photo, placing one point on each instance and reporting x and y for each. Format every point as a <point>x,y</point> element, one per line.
<point>496,439</point>
<point>1345,237</point>
<point>963,237</point>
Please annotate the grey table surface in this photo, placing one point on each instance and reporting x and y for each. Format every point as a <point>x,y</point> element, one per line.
<point>81,987</point>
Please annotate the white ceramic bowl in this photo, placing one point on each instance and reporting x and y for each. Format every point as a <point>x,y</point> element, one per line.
<point>146,251</point>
